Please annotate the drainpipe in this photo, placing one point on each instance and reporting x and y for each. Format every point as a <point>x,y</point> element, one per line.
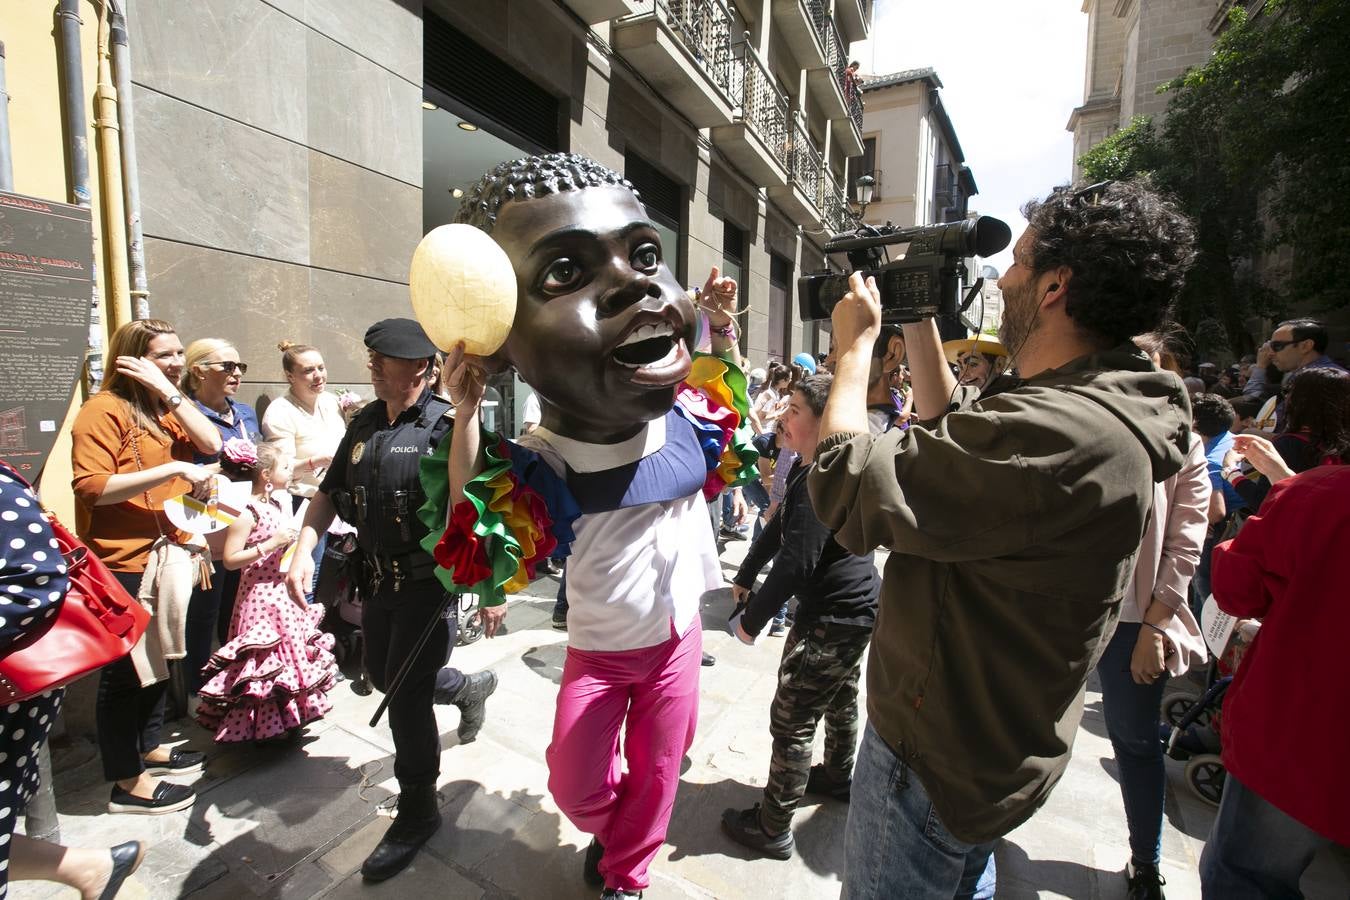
<point>131,174</point>
<point>110,178</point>
<point>6,161</point>
<point>72,106</point>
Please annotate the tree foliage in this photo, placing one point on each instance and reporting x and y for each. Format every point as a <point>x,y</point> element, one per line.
<point>1255,145</point>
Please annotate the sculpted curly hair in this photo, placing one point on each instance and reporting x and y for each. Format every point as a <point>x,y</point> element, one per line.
<point>530,177</point>
<point>1128,247</point>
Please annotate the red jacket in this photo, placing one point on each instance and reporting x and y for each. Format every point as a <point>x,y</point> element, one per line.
<point>1286,722</point>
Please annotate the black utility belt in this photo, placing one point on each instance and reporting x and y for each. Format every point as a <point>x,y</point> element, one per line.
<point>399,568</point>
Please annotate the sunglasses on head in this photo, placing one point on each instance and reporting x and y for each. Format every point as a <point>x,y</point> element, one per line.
<point>229,367</point>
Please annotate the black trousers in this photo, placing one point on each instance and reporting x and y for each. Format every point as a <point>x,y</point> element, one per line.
<point>129,717</point>
<point>392,622</point>
<point>208,619</point>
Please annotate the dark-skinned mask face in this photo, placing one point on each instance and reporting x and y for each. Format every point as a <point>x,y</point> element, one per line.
<point>603,330</point>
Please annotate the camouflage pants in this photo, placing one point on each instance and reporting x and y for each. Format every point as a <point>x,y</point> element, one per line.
<point>817,677</point>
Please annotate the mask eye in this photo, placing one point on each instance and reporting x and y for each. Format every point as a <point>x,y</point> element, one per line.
<point>647,257</point>
<point>561,276</point>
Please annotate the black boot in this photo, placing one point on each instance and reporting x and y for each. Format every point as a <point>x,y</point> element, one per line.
<point>471,698</point>
<point>591,870</point>
<point>418,818</point>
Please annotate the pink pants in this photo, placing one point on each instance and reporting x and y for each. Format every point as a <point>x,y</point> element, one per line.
<point>656,688</point>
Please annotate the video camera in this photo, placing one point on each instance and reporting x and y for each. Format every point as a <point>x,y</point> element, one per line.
<point>924,283</point>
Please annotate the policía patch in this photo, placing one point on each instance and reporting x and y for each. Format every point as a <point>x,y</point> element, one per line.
<point>358,451</point>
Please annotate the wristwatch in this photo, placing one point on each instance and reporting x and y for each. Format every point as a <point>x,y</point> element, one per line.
<point>174,400</point>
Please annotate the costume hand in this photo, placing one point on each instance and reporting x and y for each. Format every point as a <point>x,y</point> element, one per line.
<point>1149,660</point>
<point>1263,456</point>
<point>464,378</point>
<point>856,319</point>
<point>299,577</point>
<point>718,298</point>
<point>147,373</point>
<point>492,617</point>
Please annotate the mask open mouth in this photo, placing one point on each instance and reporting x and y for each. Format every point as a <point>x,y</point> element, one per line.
<point>647,344</point>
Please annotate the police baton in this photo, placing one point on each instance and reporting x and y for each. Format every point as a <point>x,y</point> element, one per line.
<point>402,674</point>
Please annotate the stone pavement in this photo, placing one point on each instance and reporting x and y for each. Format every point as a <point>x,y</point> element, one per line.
<point>296,822</point>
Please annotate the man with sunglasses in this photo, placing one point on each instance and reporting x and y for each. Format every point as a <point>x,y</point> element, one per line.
<point>1013,519</point>
<point>1294,346</point>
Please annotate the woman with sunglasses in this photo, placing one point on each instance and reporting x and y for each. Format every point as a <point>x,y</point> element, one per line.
<point>212,374</point>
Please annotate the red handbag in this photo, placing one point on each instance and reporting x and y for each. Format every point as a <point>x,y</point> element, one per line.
<point>98,622</point>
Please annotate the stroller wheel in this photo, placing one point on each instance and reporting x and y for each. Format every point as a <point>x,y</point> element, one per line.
<point>1206,776</point>
<point>470,621</point>
<point>1177,705</point>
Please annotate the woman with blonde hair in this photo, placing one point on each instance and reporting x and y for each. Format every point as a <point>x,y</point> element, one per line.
<point>307,423</point>
<point>212,375</point>
<point>134,443</point>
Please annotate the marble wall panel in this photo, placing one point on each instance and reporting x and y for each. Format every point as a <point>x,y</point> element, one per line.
<point>388,32</point>
<point>212,181</point>
<point>294,8</point>
<point>243,58</point>
<point>363,113</point>
<point>250,302</point>
<point>342,307</point>
<point>361,222</point>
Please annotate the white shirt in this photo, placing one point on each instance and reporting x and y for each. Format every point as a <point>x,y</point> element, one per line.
<point>633,572</point>
<point>303,434</point>
<point>530,413</point>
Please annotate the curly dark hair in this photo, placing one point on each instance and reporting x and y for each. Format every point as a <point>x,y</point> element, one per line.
<point>530,177</point>
<point>1129,249</point>
<point>1318,405</point>
<point>1211,415</point>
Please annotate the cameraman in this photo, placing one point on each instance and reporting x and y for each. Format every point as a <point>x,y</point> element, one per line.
<point>1015,518</point>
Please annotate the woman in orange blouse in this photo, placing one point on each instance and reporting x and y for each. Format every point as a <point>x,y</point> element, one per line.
<point>133,448</point>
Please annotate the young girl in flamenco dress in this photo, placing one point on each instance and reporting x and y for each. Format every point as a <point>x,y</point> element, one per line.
<point>274,673</point>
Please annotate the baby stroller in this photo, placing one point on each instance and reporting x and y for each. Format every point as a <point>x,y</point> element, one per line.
<point>1191,721</point>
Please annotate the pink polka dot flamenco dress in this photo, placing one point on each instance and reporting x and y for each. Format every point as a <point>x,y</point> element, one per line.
<point>274,674</point>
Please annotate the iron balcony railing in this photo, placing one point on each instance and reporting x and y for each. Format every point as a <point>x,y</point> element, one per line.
<point>833,203</point>
<point>806,163</point>
<point>763,104</point>
<point>853,100</point>
<point>828,33</point>
<point>704,27</point>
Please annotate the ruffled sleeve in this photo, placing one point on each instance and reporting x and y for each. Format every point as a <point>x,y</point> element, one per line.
<point>714,400</point>
<point>516,513</point>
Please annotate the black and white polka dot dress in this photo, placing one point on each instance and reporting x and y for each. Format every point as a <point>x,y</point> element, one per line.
<point>32,583</point>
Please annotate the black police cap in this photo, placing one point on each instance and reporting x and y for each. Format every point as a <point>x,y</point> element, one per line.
<point>400,338</point>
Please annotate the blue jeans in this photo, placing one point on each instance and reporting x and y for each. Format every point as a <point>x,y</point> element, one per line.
<point>1132,724</point>
<point>895,845</point>
<point>1254,850</point>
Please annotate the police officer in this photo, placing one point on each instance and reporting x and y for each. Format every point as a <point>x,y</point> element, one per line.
<point>373,484</point>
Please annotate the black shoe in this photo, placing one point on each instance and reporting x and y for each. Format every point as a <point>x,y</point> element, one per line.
<point>591,870</point>
<point>743,827</point>
<point>168,797</point>
<point>560,618</point>
<point>617,894</point>
<point>126,858</point>
<point>361,686</point>
<point>1145,882</point>
<point>709,659</point>
<point>820,783</point>
<point>731,534</point>
<point>417,820</point>
<point>181,762</point>
<point>471,699</point>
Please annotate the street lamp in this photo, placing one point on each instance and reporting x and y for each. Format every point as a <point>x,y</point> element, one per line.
<point>864,187</point>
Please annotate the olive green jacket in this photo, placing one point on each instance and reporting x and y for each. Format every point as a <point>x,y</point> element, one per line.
<point>1013,523</point>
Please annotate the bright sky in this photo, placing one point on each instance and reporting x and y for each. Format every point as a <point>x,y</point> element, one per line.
<point>1012,72</point>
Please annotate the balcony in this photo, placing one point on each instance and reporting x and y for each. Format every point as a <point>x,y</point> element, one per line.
<point>826,81</point>
<point>757,141</point>
<point>855,18</point>
<point>592,12</point>
<point>833,204</point>
<point>800,197</point>
<point>683,49</point>
<point>795,21</point>
<point>847,129</point>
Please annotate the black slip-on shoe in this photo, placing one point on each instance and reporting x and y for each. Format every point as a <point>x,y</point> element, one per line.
<point>168,797</point>
<point>743,827</point>
<point>1144,882</point>
<point>820,783</point>
<point>126,858</point>
<point>181,762</point>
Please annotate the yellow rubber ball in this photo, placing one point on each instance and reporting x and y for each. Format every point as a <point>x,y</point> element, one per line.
<point>463,289</point>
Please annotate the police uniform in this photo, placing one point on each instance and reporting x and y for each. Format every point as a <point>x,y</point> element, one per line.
<point>374,485</point>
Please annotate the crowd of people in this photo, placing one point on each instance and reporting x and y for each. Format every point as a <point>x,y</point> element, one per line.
<point>1058,500</point>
